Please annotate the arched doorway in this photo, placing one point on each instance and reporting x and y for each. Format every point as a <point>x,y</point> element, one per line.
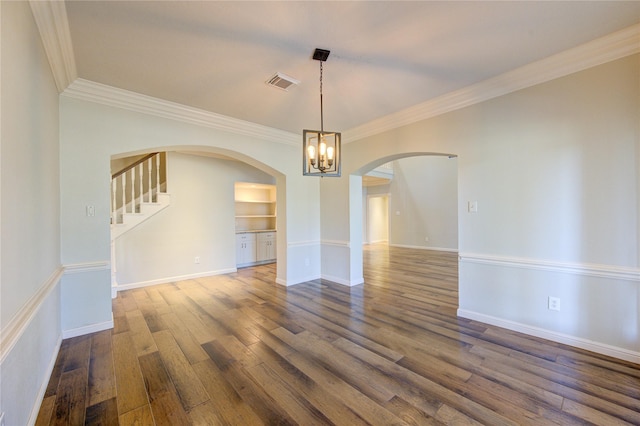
<point>194,237</point>
<point>422,202</point>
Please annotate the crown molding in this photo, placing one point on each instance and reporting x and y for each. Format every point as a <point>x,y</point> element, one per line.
<point>53,25</point>
<point>119,98</point>
<point>602,50</point>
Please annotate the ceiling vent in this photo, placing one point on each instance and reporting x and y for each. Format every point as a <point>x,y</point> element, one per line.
<point>282,81</point>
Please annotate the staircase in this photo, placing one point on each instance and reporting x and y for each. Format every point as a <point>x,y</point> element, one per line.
<point>138,193</point>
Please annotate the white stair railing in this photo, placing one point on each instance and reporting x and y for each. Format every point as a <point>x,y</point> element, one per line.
<point>136,184</point>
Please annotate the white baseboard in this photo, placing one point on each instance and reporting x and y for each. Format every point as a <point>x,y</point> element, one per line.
<point>450,250</point>
<point>554,336</point>
<point>87,329</point>
<point>43,387</point>
<point>303,280</point>
<point>165,280</point>
<point>342,281</point>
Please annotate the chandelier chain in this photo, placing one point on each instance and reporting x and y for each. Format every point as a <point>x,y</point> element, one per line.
<point>321,110</point>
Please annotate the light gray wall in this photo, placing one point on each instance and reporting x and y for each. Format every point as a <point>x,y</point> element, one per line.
<point>424,203</point>
<point>92,133</point>
<point>199,222</point>
<point>29,218</point>
<point>554,169</point>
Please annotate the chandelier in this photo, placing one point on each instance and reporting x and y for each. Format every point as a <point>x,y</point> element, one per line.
<point>321,150</point>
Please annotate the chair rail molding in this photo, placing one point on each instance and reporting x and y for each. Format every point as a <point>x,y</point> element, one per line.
<point>13,330</point>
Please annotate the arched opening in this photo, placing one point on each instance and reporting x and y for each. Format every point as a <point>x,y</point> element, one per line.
<point>420,194</point>
<point>199,237</point>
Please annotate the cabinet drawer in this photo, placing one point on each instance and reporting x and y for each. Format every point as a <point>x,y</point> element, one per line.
<point>245,237</point>
<point>266,236</point>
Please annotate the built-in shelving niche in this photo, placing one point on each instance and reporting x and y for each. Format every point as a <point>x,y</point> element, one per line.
<point>255,207</point>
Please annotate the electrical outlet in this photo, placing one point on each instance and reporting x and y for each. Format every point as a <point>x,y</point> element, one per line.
<point>554,303</point>
<point>197,259</point>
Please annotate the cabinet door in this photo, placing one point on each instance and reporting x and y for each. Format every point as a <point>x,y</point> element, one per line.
<point>250,251</point>
<point>271,249</point>
<point>245,249</point>
<point>266,246</point>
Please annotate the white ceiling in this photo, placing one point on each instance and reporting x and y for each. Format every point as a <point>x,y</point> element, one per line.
<point>385,55</point>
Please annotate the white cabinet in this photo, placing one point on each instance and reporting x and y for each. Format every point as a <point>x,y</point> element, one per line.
<point>255,223</point>
<point>245,249</point>
<point>266,246</point>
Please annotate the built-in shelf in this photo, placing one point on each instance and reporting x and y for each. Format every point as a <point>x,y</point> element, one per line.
<point>255,223</point>
<point>255,207</point>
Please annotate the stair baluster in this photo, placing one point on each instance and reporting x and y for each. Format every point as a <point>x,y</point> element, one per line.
<point>157,174</point>
<point>140,176</point>
<point>123,180</point>
<point>150,180</point>
<point>114,206</point>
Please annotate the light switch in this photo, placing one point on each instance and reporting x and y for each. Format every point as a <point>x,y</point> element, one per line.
<point>91,211</point>
<point>472,206</point>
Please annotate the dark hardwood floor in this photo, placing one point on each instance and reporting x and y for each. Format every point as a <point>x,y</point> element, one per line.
<point>238,349</point>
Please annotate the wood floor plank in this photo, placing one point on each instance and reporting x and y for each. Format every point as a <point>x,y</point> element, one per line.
<point>46,411</point>
<point>140,333</point>
<point>187,341</point>
<point>189,388</point>
<point>101,386</point>
<point>409,413</point>
<point>337,411</point>
<point>139,417</point>
<point>201,331</point>
<point>71,398</point>
<point>78,353</point>
<point>129,382</point>
<point>237,349</point>
<point>301,410</point>
<point>163,397</point>
<point>227,403</point>
<point>103,413</point>
<point>260,402</point>
<point>359,403</point>
<point>58,368</point>
<point>206,414</point>
<point>358,374</point>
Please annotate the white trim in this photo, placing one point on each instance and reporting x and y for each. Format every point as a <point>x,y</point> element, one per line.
<point>342,281</point>
<point>566,339</point>
<point>450,250</point>
<point>336,243</point>
<point>602,50</point>
<point>13,331</point>
<point>119,98</point>
<point>593,270</point>
<point>87,329</point>
<point>303,243</point>
<point>302,281</point>
<point>166,280</point>
<point>79,268</point>
<point>53,26</point>
<point>35,410</point>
